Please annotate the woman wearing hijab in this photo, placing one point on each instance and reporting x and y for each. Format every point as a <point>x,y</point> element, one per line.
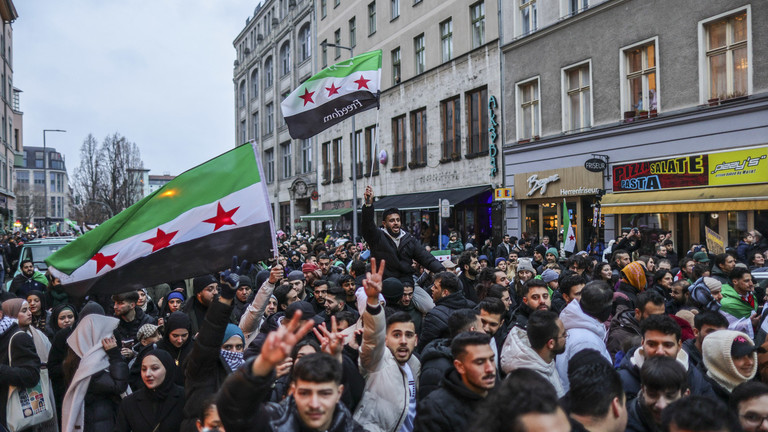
<point>62,316</point>
<point>96,374</point>
<point>171,303</point>
<point>146,304</point>
<point>40,313</point>
<point>159,406</point>
<point>731,359</point>
<point>24,363</point>
<point>177,341</point>
<point>632,283</point>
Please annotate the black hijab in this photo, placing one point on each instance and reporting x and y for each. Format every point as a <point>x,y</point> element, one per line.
<point>161,392</point>
<point>57,311</point>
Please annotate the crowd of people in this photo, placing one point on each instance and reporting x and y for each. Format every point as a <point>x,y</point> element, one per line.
<point>379,335</point>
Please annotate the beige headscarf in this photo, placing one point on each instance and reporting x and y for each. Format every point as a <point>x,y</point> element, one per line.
<point>716,350</point>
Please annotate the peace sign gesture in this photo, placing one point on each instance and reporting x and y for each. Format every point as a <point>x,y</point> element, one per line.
<point>279,344</point>
<point>373,282</point>
<point>330,342</point>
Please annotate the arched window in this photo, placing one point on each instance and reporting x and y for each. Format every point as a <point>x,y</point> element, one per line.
<point>305,43</point>
<point>268,73</point>
<point>285,59</point>
<point>242,93</point>
<point>254,83</point>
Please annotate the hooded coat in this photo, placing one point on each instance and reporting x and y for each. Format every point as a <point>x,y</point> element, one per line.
<point>435,324</point>
<point>450,408</point>
<point>721,371</point>
<point>584,332</point>
<point>517,353</point>
<point>436,360</point>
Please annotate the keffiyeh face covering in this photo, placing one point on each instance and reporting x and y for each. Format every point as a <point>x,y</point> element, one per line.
<point>233,359</point>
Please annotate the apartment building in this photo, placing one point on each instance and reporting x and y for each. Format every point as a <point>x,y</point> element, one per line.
<point>11,131</point>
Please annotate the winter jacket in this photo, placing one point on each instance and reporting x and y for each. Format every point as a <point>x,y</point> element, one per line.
<point>242,408</point>
<point>456,247</point>
<point>584,332</point>
<point>22,285</point>
<point>520,316</point>
<point>25,368</point>
<point>385,401</point>
<point>518,354</point>
<point>138,412</point>
<point>450,408</point>
<point>127,331</point>
<point>436,360</point>
<point>399,259</point>
<point>205,370</point>
<point>103,397</point>
<point>719,274</point>
<point>639,419</point>
<point>694,355</point>
<point>194,309</point>
<point>468,287</point>
<point>624,333</point>
<point>742,250</point>
<point>629,291</point>
<point>629,371</point>
<point>435,324</point>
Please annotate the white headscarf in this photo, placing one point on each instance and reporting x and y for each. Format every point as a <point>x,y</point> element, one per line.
<point>85,341</point>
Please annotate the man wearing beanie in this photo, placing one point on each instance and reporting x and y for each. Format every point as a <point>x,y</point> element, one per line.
<point>297,281</point>
<point>204,291</point>
<point>731,359</point>
<point>538,256</point>
<point>311,273</point>
<point>550,257</point>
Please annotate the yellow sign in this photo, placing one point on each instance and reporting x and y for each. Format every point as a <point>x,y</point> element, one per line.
<point>739,167</point>
<point>715,243</point>
<point>502,194</point>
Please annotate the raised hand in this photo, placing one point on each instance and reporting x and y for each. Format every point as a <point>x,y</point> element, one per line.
<point>368,195</point>
<point>373,282</point>
<point>330,342</point>
<point>276,274</point>
<point>279,343</point>
<point>241,269</point>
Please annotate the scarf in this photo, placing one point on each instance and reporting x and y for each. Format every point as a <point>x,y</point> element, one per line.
<point>634,272</point>
<point>85,341</point>
<point>734,304</point>
<point>5,324</point>
<point>234,359</point>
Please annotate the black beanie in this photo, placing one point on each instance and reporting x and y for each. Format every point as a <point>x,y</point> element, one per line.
<point>201,282</point>
<point>392,289</point>
<point>176,320</point>
<point>246,281</point>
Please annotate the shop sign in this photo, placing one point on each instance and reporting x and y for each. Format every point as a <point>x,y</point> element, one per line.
<point>715,242</point>
<point>335,205</point>
<point>534,184</point>
<point>557,183</point>
<point>502,194</point>
<point>595,165</point>
<point>492,150</point>
<point>716,169</point>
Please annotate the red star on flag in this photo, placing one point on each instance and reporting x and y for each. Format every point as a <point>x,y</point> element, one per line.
<point>162,240</point>
<point>570,237</point>
<point>362,82</point>
<point>103,261</point>
<point>307,96</point>
<point>222,217</point>
<point>332,90</point>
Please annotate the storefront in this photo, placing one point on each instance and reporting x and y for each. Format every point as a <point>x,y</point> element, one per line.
<point>334,216</point>
<point>693,195</point>
<point>541,196</point>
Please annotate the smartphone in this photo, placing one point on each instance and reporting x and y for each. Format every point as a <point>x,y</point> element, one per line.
<point>128,343</point>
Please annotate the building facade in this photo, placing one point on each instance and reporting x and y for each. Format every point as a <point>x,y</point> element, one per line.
<point>155,182</point>
<point>41,175</point>
<point>11,117</point>
<point>274,55</point>
<point>637,114</point>
<point>435,133</point>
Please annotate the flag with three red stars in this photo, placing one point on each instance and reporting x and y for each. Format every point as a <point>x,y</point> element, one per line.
<point>191,226</point>
<point>333,95</point>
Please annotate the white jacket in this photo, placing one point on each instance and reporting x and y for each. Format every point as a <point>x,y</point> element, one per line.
<point>254,314</point>
<point>584,332</point>
<point>384,406</point>
<point>518,354</point>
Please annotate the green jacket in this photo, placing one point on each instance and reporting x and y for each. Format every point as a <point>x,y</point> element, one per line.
<point>734,305</point>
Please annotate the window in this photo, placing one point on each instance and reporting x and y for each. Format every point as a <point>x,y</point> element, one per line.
<point>255,123</point>
<point>640,70</point>
<point>243,132</point>
<point>285,59</point>
<point>283,96</point>
<point>419,137</point>
<point>269,158</point>
<point>577,105</point>
<point>419,54</point>
<point>285,152</point>
<point>352,35</point>
<point>254,83</point>
<point>396,66</point>
<point>528,16</point>
<point>268,73</point>
<point>477,12</point>
<point>395,8</point>
<point>338,165</point>
<point>241,99</point>
<point>371,18</point>
<point>446,39</point>
<point>356,153</point>
<point>528,125</point>
<point>398,142</point>
<point>337,41</point>
<point>326,162</point>
<point>323,8</point>
<point>727,56</point>
<point>371,156</point>
<point>305,42</point>
<point>269,119</point>
<point>306,155</point>
<point>39,179</point>
<point>22,177</point>
<point>324,54</point>
<point>477,108</point>
<point>38,158</point>
<point>576,6</point>
<point>450,112</point>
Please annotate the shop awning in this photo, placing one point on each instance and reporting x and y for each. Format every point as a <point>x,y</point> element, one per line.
<point>326,214</point>
<point>712,199</point>
<point>429,200</point>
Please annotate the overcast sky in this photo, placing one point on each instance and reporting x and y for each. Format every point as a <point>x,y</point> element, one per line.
<point>157,72</point>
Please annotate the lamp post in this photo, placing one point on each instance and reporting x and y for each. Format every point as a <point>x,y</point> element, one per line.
<point>45,172</point>
<point>354,153</point>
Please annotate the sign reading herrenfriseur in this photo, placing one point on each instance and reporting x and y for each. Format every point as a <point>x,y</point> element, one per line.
<point>557,183</point>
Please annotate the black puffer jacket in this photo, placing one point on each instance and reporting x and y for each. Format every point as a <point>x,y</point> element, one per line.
<point>140,412</point>
<point>241,408</point>
<point>450,408</point>
<point>624,333</point>
<point>436,359</point>
<point>102,399</point>
<point>435,324</point>
<point>399,259</point>
<point>25,368</point>
<point>126,331</point>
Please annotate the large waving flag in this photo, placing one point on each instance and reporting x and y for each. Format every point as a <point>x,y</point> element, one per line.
<point>191,226</point>
<point>569,236</point>
<point>336,93</point>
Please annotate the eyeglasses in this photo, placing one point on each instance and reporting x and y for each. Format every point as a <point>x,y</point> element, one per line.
<point>754,419</point>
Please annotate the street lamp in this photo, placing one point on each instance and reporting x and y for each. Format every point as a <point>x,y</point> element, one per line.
<point>354,153</point>
<point>45,172</point>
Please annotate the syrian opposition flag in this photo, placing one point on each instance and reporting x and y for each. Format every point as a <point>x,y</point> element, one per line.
<point>569,236</point>
<point>336,93</point>
<point>191,226</point>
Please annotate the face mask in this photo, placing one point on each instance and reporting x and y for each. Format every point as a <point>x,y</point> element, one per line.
<point>233,359</point>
